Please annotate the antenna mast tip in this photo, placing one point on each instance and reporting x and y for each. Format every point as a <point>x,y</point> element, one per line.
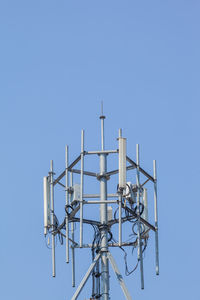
<point>102,115</point>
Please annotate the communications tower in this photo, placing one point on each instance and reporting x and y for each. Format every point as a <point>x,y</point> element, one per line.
<point>128,202</point>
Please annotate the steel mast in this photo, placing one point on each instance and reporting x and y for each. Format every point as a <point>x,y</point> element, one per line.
<point>103,216</point>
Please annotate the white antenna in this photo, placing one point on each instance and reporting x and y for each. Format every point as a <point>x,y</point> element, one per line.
<point>129,202</point>
<point>47,211</point>
<point>122,163</point>
<point>145,211</point>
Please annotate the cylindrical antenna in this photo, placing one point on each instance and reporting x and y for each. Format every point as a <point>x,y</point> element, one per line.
<point>122,162</point>
<point>145,211</point>
<point>72,232</point>
<point>52,219</point>
<point>140,257</point>
<point>67,201</point>
<point>47,211</point>
<point>122,178</point>
<point>102,117</point>
<point>156,216</point>
<point>81,189</point>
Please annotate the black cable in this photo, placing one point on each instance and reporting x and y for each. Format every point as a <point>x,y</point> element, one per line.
<point>145,245</point>
<point>115,214</point>
<point>127,272</point>
<point>111,236</point>
<point>142,228</point>
<point>141,211</point>
<point>95,273</point>
<point>66,209</point>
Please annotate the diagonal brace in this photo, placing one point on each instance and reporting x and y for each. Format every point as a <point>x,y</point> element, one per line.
<point>85,278</point>
<point>119,276</point>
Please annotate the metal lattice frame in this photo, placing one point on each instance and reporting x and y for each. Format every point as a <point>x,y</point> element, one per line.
<point>104,256</point>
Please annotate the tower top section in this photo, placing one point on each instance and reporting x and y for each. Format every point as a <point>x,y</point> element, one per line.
<point>126,206</point>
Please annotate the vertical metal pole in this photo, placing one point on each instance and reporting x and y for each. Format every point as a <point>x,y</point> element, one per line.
<point>67,202</point>
<point>97,279</point>
<point>140,257</point>
<point>156,216</point>
<point>93,279</point>
<point>72,230</point>
<point>103,219</point>
<point>120,219</point>
<point>102,132</point>
<point>120,206</point>
<point>81,191</point>
<point>52,219</point>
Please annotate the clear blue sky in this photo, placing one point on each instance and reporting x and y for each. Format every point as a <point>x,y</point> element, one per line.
<point>58,60</point>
